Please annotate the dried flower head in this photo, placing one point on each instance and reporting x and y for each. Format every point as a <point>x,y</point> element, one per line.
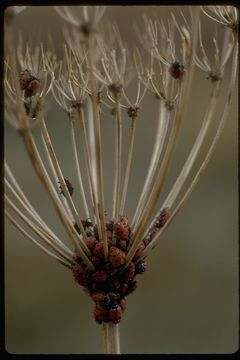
<point>109,247</point>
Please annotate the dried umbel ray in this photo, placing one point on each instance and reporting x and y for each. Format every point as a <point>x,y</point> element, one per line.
<point>109,251</point>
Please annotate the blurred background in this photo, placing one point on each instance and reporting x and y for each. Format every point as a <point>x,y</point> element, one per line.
<point>187,301</point>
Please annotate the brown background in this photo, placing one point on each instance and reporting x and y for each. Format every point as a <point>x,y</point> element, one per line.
<point>187,302</point>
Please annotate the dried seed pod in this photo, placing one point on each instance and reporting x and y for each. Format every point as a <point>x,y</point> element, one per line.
<point>132,111</point>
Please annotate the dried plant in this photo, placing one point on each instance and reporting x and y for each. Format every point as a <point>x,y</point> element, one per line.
<point>109,249</point>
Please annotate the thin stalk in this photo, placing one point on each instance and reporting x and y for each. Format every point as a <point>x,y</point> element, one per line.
<point>154,195</point>
<point>111,339</point>
<point>79,177</point>
<point>54,161</point>
<point>128,166</point>
<point>28,236</point>
<point>98,144</point>
<point>163,122</point>
<point>41,225</point>
<point>195,149</point>
<point>118,163</point>
<point>87,156</point>
<point>38,231</point>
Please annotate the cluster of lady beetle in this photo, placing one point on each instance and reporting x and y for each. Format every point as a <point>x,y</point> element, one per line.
<point>109,283</point>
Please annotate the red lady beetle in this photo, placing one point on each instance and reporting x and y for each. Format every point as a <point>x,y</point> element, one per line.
<point>80,274</point>
<point>114,284</point>
<point>116,256</point>
<point>24,79</point>
<point>100,275</point>
<point>176,69</point>
<point>139,251</point>
<point>101,298</point>
<point>98,251</point>
<point>91,242</point>
<point>115,313</point>
<point>113,296</point>
<point>129,273</point>
<point>122,244</point>
<point>121,231</point>
<point>123,304</point>
<point>123,289</point>
<point>109,237</point>
<point>100,313</point>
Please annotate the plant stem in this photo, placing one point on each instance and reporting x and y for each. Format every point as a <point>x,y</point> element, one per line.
<point>111,339</point>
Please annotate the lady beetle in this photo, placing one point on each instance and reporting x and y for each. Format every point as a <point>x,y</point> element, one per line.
<point>101,298</point>
<point>24,79</point>
<point>116,256</point>
<point>114,284</point>
<point>123,304</point>
<point>80,274</point>
<point>91,242</point>
<point>140,267</point>
<point>129,273</point>
<point>122,244</point>
<point>113,296</point>
<point>139,251</point>
<point>100,276</point>
<point>163,217</point>
<point>115,313</point>
<point>121,231</point>
<point>98,251</point>
<point>123,289</point>
<point>100,313</point>
<point>176,70</point>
